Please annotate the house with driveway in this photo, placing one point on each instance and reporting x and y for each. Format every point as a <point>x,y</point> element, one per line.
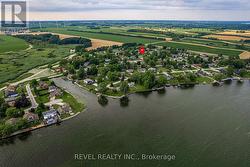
<point>51,117</point>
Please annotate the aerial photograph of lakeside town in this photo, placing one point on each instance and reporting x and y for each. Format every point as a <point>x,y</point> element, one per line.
<point>137,83</point>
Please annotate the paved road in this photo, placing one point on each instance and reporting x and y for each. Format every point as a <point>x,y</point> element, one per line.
<point>32,98</point>
<point>80,94</point>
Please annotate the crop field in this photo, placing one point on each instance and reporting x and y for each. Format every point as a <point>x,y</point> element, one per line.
<point>96,43</point>
<point>109,37</point>
<point>245,55</point>
<point>221,46</point>
<point>214,43</point>
<point>236,33</point>
<point>9,43</point>
<point>227,37</point>
<point>120,30</point>
<point>204,49</point>
<point>15,64</point>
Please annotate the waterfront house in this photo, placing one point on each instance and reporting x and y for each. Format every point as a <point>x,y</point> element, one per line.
<point>65,109</point>
<point>31,117</point>
<point>50,117</point>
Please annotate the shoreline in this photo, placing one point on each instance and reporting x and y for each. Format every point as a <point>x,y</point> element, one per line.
<point>158,89</point>
<point>112,97</point>
<point>40,126</point>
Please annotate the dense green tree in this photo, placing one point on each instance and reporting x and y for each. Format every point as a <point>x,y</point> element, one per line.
<point>3,108</point>
<point>22,102</point>
<point>81,73</point>
<point>7,130</point>
<point>34,83</point>
<point>161,81</point>
<point>124,88</point>
<point>92,70</point>
<point>148,80</point>
<point>14,112</point>
<point>102,87</point>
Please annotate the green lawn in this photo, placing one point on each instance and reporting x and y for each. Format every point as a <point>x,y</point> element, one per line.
<point>204,80</point>
<point>120,30</point>
<point>13,65</point>
<point>201,48</point>
<point>110,37</point>
<point>43,96</point>
<point>9,43</point>
<point>74,104</point>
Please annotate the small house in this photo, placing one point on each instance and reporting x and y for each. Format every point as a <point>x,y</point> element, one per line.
<point>152,69</point>
<point>30,117</point>
<point>88,81</point>
<point>131,84</point>
<point>57,92</point>
<point>43,85</point>
<point>50,117</point>
<point>65,109</point>
<point>10,91</point>
<point>142,70</point>
<point>52,89</point>
<point>11,101</point>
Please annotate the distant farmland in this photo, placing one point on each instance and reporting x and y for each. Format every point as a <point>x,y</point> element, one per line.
<point>8,43</point>
<point>201,48</point>
<point>110,37</point>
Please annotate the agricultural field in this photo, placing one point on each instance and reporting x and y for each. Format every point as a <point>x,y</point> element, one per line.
<point>14,64</point>
<point>102,36</point>
<point>9,43</point>
<point>245,55</point>
<point>199,48</point>
<point>216,43</point>
<point>233,48</point>
<point>187,31</point>
<point>226,37</point>
<point>236,33</point>
<point>96,43</point>
<point>119,30</point>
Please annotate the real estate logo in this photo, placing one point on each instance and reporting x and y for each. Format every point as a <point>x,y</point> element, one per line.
<point>14,14</point>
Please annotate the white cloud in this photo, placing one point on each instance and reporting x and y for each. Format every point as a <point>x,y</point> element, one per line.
<point>182,9</point>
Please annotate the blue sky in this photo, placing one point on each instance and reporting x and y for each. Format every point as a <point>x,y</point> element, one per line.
<point>140,9</point>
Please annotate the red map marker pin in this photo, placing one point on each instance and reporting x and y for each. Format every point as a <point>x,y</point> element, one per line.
<point>142,50</point>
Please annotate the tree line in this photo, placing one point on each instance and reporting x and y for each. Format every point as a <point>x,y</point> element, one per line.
<point>55,39</point>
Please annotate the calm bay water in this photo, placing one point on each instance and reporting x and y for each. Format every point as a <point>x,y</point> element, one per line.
<point>202,127</point>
